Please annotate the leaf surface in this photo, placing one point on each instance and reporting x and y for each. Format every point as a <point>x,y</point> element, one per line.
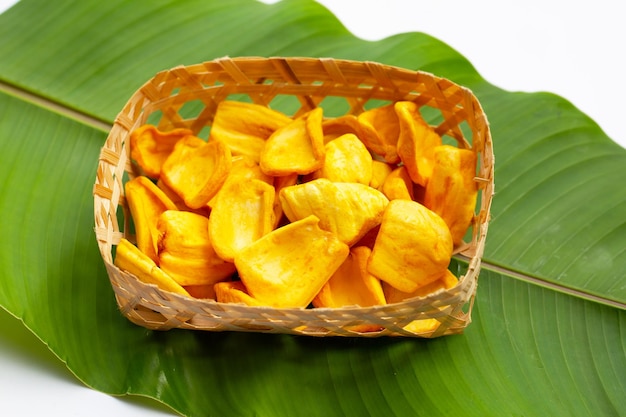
<point>549,325</point>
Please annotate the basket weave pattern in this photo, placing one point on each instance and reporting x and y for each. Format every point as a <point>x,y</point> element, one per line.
<point>309,81</point>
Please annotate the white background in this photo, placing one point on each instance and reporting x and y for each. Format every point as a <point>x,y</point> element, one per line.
<point>571,48</point>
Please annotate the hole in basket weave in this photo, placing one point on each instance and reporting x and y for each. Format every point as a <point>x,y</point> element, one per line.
<point>467,131</point>
<point>155,117</point>
<point>334,106</point>
<point>239,97</point>
<point>374,103</point>
<point>191,109</point>
<point>204,133</point>
<point>431,115</point>
<point>287,104</point>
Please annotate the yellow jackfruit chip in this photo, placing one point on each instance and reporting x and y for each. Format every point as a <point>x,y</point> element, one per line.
<point>196,173</point>
<point>243,168</point>
<point>413,246</point>
<point>289,266</point>
<point>129,258</point>
<point>452,191</point>
<point>150,147</point>
<point>416,142</point>
<point>279,184</point>
<point>185,250</point>
<point>352,284</point>
<point>297,147</point>
<point>178,200</point>
<point>243,213</point>
<point>203,291</point>
<point>244,127</point>
<point>380,132</point>
<point>338,126</point>
<point>146,202</point>
<point>398,185</point>
<point>347,160</point>
<point>380,172</point>
<point>234,292</point>
<point>349,210</point>
<point>393,295</point>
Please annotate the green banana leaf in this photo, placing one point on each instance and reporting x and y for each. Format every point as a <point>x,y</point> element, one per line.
<point>549,324</point>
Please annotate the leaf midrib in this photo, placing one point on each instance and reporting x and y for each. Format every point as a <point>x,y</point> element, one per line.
<point>548,284</point>
<point>54,106</point>
<point>91,121</point>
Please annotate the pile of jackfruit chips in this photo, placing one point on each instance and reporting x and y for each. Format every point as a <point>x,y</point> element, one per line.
<point>297,212</point>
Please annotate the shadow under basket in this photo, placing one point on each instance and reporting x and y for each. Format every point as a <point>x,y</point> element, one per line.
<point>187,96</point>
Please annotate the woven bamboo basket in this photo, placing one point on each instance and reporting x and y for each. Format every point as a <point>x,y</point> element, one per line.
<point>303,83</point>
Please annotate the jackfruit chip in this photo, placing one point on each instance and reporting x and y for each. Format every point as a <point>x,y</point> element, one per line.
<point>202,291</point>
<point>288,266</point>
<point>349,210</point>
<point>347,160</point>
<point>398,185</point>
<point>243,168</point>
<point>380,172</point>
<point>393,295</point>
<point>150,147</point>
<point>185,250</point>
<point>413,247</point>
<point>243,213</point>
<point>178,200</point>
<point>129,258</point>
<point>234,292</point>
<point>297,147</point>
<point>452,191</point>
<point>416,142</point>
<point>334,127</point>
<point>279,184</point>
<point>146,202</point>
<point>381,129</point>
<point>352,284</point>
<point>244,127</point>
<point>196,173</point>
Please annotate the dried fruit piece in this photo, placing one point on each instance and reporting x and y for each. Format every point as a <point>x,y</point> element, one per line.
<point>185,250</point>
<point>245,127</point>
<point>204,291</point>
<point>150,147</point>
<point>398,185</point>
<point>130,259</point>
<point>334,127</point>
<point>146,202</point>
<point>289,266</point>
<point>349,210</point>
<point>196,173</point>
<point>297,147</point>
<point>178,201</point>
<point>380,171</point>
<point>279,184</point>
<point>234,292</point>
<point>352,284</point>
<point>452,191</point>
<point>243,213</point>
<point>416,142</point>
<point>347,160</point>
<point>243,168</point>
<point>413,246</point>
<point>380,132</point>
<point>393,295</point>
